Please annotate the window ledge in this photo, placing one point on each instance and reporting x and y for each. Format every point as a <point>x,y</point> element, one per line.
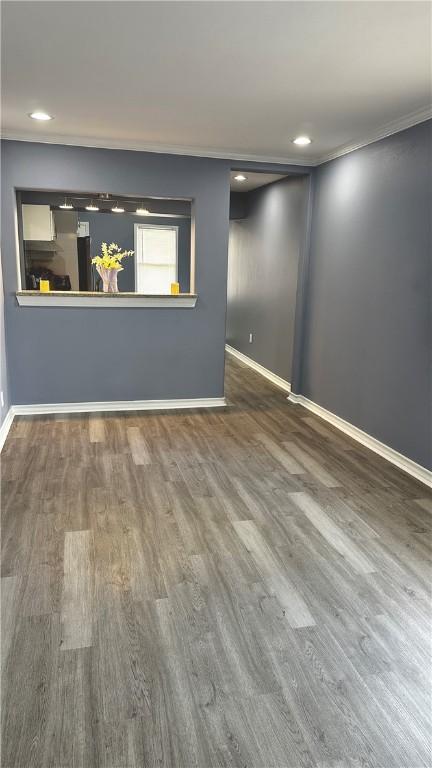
<point>103,300</point>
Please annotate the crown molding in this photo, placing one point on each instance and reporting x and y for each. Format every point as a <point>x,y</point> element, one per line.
<point>407,121</point>
<point>212,154</point>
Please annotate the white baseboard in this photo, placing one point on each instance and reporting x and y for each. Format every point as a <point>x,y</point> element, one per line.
<point>400,461</point>
<point>111,405</point>
<point>118,405</point>
<point>277,380</point>
<point>5,427</point>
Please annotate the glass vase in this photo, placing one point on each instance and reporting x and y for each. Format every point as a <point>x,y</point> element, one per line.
<point>109,279</point>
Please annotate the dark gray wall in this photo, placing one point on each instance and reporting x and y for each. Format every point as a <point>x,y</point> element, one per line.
<point>264,252</point>
<point>119,228</point>
<point>367,347</point>
<point>239,205</point>
<point>69,355</point>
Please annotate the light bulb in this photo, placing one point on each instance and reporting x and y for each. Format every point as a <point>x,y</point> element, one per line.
<point>40,116</point>
<point>302,141</point>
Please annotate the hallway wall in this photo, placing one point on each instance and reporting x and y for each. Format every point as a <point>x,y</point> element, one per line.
<point>263,259</point>
<point>367,346</point>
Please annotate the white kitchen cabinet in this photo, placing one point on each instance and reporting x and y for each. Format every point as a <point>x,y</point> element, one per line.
<point>38,222</point>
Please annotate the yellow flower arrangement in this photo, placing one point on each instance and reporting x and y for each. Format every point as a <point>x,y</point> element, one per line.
<point>111,257</point>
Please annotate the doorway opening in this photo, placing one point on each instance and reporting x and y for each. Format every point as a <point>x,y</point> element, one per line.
<point>266,236</point>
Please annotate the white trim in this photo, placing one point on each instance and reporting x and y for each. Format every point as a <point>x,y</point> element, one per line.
<point>17,241</point>
<point>5,427</point>
<point>192,286</point>
<point>106,406</point>
<point>78,141</point>
<point>400,461</point>
<point>388,129</point>
<point>407,121</point>
<point>117,405</point>
<point>277,380</point>
<point>104,300</point>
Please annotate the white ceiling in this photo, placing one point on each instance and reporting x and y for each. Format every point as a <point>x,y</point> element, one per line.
<point>233,79</point>
<point>253,180</point>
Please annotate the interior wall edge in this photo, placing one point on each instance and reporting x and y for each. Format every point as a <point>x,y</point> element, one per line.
<point>300,319</point>
<point>5,426</point>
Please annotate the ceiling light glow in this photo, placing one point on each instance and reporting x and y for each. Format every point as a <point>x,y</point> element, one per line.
<point>40,116</point>
<point>302,141</point>
<point>66,206</point>
<point>142,212</point>
<point>91,207</point>
<point>240,177</point>
<point>117,209</point>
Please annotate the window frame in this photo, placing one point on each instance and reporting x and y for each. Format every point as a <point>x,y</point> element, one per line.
<point>91,299</point>
<point>138,225</point>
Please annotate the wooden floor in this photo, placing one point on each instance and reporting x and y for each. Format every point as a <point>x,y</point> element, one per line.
<point>243,586</point>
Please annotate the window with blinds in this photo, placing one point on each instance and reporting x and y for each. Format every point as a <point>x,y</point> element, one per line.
<point>156,258</point>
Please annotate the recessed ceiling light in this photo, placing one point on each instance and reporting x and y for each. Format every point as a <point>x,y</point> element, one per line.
<point>302,141</point>
<point>40,116</point>
<point>117,209</point>
<point>91,207</point>
<point>240,177</point>
<point>142,212</point>
<point>66,206</point>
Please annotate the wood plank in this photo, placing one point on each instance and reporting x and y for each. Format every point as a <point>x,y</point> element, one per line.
<point>311,465</point>
<point>69,739</point>
<point>333,534</point>
<point>30,679</point>
<point>281,456</point>
<point>38,597</point>
<point>9,607</point>
<point>297,612</point>
<point>138,446</point>
<point>96,428</point>
<point>77,597</point>
<point>425,504</point>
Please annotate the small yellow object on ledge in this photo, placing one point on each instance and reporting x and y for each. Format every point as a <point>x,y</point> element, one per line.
<point>175,288</point>
<point>44,286</point>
